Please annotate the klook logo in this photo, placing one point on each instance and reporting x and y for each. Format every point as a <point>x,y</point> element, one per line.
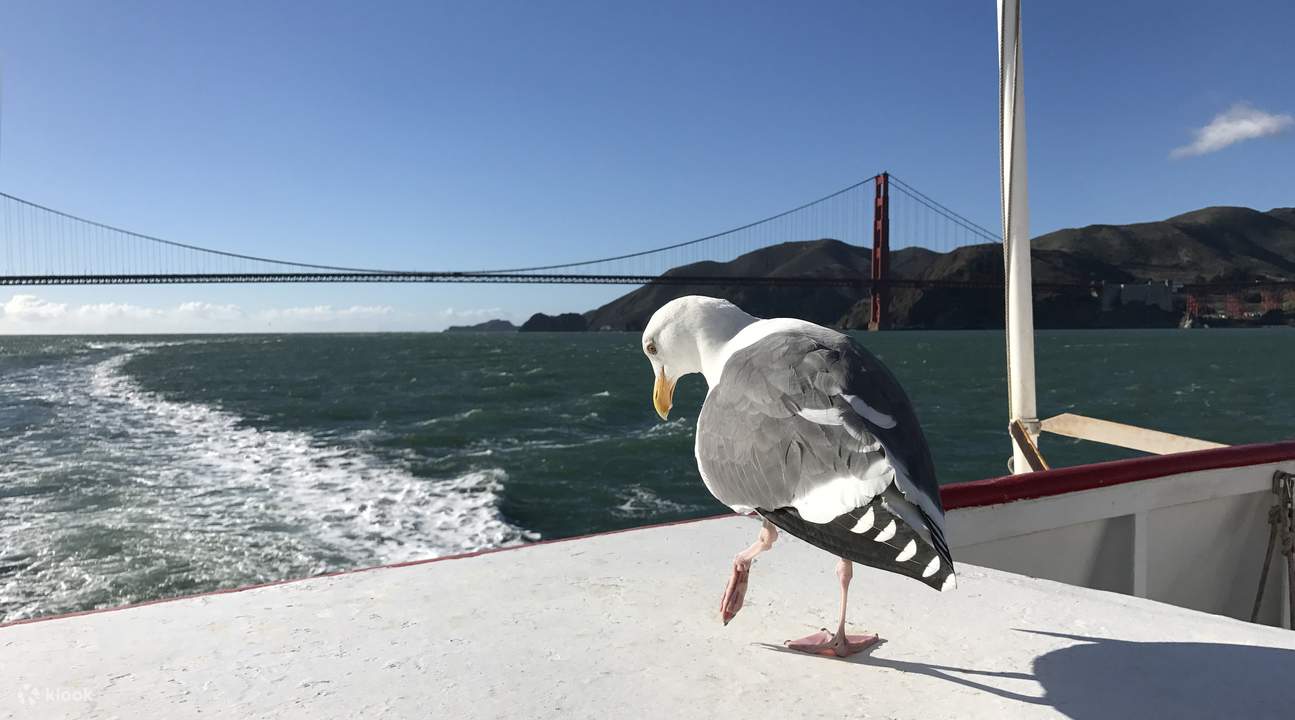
<point>32,695</point>
<point>28,695</point>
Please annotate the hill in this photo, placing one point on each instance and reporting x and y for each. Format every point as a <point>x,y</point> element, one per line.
<point>566,322</point>
<point>1207,244</point>
<point>1211,242</point>
<point>487,326</point>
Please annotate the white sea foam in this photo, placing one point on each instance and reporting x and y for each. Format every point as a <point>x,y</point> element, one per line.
<point>513,445</point>
<point>676,426</point>
<point>643,502</point>
<point>451,418</point>
<point>353,503</point>
<point>139,344</point>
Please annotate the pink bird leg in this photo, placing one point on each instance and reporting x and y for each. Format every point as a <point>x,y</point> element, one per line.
<point>735,592</point>
<point>839,643</point>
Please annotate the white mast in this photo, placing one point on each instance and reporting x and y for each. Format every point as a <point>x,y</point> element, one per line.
<point>1016,224</point>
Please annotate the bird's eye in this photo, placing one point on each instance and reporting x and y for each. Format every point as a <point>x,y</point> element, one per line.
<point>651,348</point>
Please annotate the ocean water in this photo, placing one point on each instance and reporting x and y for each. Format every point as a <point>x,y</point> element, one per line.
<point>133,468</point>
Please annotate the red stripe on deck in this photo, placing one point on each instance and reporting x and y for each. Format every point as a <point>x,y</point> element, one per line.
<point>409,563</point>
<point>1060,481</point>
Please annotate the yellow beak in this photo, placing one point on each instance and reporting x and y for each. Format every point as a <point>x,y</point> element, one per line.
<point>662,395</point>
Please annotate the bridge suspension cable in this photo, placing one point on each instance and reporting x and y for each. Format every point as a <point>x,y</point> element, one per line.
<point>973,229</point>
<point>689,243</point>
<point>25,221</point>
<point>44,246</point>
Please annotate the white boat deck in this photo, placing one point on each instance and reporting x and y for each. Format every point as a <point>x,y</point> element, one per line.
<point>625,625</point>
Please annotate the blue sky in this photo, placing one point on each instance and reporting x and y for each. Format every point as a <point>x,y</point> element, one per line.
<point>474,134</point>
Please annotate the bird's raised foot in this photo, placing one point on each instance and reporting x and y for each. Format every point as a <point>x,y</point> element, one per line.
<point>830,644</point>
<point>735,592</point>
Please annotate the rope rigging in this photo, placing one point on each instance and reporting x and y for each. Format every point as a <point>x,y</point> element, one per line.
<point>1281,519</point>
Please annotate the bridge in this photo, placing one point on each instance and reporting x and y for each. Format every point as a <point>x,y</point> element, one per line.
<point>45,246</point>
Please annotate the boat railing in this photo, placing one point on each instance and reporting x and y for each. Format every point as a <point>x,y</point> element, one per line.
<point>1132,437</point>
<point>1188,528</point>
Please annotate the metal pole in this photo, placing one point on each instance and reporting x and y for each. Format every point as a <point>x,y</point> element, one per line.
<point>1016,233</point>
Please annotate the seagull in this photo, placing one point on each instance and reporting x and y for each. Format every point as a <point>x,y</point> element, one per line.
<point>808,430</point>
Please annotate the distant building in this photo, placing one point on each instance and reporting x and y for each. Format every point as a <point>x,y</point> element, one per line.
<point>1159,294</point>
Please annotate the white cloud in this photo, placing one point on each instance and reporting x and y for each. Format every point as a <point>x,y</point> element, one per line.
<point>30,314</point>
<point>1240,122</point>
<point>326,313</point>
<point>31,309</point>
<point>110,312</point>
<point>209,311</point>
<point>476,314</point>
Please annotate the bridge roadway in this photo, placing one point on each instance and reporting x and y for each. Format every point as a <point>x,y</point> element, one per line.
<point>516,278</point>
<point>841,281</point>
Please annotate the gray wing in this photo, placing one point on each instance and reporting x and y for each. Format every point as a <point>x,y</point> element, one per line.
<point>815,434</point>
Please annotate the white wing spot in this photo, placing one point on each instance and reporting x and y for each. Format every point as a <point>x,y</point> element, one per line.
<point>908,552</point>
<point>887,532</point>
<point>865,523</point>
<point>932,567</point>
<point>880,419</point>
<point>949,583</point>
<point>828,500</point>
<point>830,416</point>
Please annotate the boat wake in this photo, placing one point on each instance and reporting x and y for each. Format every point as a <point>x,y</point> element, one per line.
<point>174,497</point>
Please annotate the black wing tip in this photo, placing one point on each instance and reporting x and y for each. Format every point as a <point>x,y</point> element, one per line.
<point>937,537</point>
<point>881,545</point>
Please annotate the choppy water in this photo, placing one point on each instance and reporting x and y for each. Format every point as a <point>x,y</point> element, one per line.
<point>135,468</point>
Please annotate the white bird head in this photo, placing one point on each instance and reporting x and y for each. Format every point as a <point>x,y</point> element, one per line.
<point>687,336</point>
